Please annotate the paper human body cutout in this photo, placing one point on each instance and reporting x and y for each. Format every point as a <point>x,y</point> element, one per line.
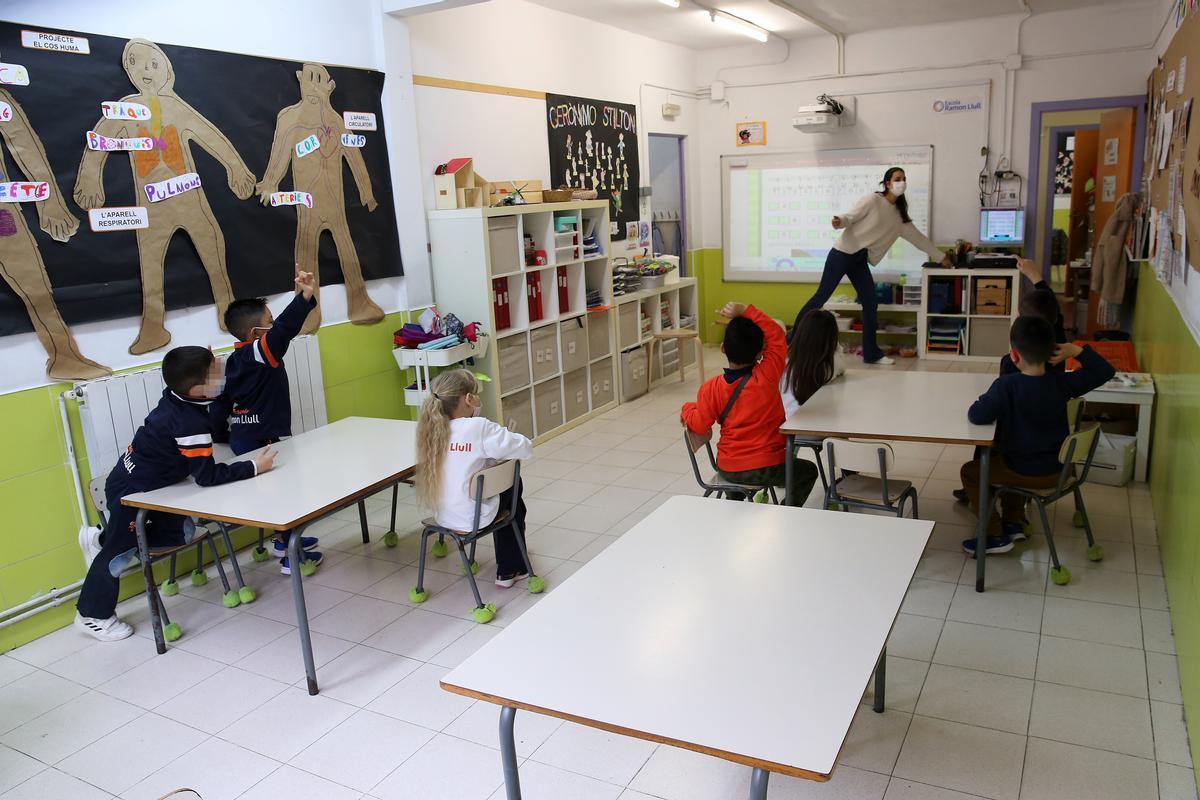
<point>20,259</point>
<point>166,184</point>
<point>319,173</point>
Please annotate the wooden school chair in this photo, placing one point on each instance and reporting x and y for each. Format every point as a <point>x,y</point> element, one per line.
<point>194,535</point>
<point>485,484</point>
<point>861,488</point>
<point>731,491</point>
<point>1076,456</point>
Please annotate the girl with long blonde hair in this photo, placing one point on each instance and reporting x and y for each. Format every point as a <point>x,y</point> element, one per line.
<point>453,443</point>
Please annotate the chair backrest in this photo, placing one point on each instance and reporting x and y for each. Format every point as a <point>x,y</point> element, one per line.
<point>96,491</point>
<point>859,456</point>
<point>493,480</point>
<point>694,441</point>
<point>1074,413</point>
<point>1078,448</point>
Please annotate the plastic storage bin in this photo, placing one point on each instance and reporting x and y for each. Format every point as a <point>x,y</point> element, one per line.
<point>543,347</point>
<point>573,339</point>
<point>547,402</point>
<point>1113,462</point>
<point>576,394</point>
<point>512,358</point>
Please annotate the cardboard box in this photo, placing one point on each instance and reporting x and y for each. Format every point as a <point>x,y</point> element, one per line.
<point>1112,464</point>
<point>498,190</point>
<point>991,301</point>
<point>459,186</point>
<point>991,283</point>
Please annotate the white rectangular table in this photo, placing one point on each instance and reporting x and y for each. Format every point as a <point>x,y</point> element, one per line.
<point>739,630</point>
<point>1140,394</point>
<point>316,473</point>
<point>901,405</point>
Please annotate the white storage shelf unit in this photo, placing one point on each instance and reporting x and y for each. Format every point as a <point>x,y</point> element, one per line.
<point>984,336</point>
<point>551,366</point>
<point>642,314</point>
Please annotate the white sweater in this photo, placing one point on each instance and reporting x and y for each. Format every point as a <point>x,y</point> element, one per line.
<point>874,224</point>
<point>790,405</point>
<point>475,443</point>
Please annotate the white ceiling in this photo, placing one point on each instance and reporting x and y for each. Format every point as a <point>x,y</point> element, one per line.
<point>690,25</point>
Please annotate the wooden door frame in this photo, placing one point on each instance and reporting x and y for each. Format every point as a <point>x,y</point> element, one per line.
<point>1036,111</point>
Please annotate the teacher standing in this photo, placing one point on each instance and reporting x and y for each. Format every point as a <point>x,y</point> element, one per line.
<point>868,231</point>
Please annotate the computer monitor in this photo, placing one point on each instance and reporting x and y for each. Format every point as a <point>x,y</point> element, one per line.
<point>1001,226</point>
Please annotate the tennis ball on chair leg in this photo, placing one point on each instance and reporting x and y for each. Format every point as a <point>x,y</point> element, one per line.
<point>172,632</point>
<point>391,539</point>
<point>247,595</point>
<point>199,577</point>
<point>440,549</point>
<point>1060,575</point>
<point>169,588</point>
<point>259,554</point>
<point>231,599</point>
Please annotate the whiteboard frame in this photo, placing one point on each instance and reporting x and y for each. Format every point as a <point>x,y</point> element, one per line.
<point>801,277</point>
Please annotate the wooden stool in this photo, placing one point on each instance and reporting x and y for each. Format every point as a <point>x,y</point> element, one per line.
<point>678,334</point>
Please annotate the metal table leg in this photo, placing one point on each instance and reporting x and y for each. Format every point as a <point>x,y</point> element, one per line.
<point>310,669</point>
<point>508,754</point>
<point>160,643</point>
<point>788,466</point>
<point>985,514</point>
<point>395,499</point>
<point>362,521</point>
<point>880,681</point>
<point>758,784</point>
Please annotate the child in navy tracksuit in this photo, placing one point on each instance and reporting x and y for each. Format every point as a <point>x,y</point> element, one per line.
<point>256,409</point>
<point>174,442</point>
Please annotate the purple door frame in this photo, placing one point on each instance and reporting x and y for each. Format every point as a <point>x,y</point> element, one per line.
<point>1048,216</point>
<point>1135,101</point>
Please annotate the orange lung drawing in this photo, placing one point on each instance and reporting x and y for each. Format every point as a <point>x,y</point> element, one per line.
<point>168,150</point>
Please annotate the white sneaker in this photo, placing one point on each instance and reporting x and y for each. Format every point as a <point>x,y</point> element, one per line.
<point>106,630</point>
<point>883,360</point>
<point>89,543</point>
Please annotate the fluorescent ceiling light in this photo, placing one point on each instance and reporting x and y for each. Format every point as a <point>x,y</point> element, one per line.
<point>739,25</point>
<point>671,3</point>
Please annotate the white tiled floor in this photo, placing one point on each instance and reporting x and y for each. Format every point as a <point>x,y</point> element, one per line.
<point>1028,691</point>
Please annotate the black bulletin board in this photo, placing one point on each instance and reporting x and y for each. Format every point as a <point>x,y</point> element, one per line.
<point>602,139</point>
<point>95,275</point>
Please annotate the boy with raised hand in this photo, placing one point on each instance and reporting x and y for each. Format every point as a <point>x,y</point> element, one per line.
<point>174,442</point>
<point>256,407</point>
<point>1029,407</point>
<point>1041,302</point>
<point>745,402</point>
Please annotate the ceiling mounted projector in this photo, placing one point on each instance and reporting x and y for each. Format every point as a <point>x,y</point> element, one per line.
<point>824,115</point>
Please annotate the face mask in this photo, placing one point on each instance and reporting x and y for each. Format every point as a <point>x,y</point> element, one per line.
<point>898,188</point>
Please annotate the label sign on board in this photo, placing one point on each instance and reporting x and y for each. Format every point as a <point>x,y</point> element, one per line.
<point>24,192</point>
<point>955,105</point>
<point>307,146</point>
<point>118,218</point>
<point>359,120</point>
<point>108,144</point>
<point>353,139</point>
<point>157,192</point>
<point>5,111</point>
<point>114,109</point>
<point>14,74</point>
<point>39,40</point>
<point>291,199</point>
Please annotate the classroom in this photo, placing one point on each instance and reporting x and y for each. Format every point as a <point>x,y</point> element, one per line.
<point>599,400</point>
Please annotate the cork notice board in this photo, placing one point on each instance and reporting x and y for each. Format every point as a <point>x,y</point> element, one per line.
<point>1172,89</point>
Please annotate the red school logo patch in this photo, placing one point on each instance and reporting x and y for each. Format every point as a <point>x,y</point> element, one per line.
<point>460,447</point>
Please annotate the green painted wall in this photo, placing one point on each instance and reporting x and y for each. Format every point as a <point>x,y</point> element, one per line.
<point>40,549</point>
<point>1167,349</point>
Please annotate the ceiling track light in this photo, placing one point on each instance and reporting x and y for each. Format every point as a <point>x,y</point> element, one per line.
<point>739,25</point>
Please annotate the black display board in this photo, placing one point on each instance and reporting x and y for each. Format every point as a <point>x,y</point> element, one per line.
<point>96,275</point>
<point>594,145</point>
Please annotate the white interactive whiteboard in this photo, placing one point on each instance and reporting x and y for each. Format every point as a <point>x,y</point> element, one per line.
<point>777,208</point>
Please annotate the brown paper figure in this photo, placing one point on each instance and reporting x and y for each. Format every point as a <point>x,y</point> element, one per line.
<point>21,260</point>
<point>174,125</point>
<point>320,174</point>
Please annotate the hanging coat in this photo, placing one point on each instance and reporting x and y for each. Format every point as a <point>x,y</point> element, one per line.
<point>1111,266</point>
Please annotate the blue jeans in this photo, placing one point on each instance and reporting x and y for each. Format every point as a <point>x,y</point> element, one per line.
<point>855,267</point>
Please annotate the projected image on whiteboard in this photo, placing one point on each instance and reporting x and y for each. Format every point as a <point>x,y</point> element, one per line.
<point>778,208</point>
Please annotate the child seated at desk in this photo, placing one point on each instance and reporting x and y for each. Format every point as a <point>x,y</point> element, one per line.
<point>746,403</point>
<point>814,358</point>
<point>453,443</point>
<point>1029,408</point>
<point>1041,302</point>
<point>174,442</point>
<point>255,409</point>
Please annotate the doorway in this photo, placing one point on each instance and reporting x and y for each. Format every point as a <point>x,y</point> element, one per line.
<point>668,223</point>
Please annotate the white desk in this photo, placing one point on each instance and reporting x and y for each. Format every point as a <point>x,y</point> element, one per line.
<point>739,630</point>
<point>1141,394</point>
<point>895,405</point>
<point>316,473</point>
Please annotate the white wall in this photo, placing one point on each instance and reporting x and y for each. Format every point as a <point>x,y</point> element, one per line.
<point>349,32</point>
<point>886,67</point>
<point>517,44</point>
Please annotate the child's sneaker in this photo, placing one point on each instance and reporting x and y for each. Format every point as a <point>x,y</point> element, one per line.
<point>506,582</point>
<point>106,630</point>
<point>279,549</point>
<point>286,569</point>
<point>1000,543</point>
<point>960,496</point>
<point>89,543</point>
<point>1015,531</point>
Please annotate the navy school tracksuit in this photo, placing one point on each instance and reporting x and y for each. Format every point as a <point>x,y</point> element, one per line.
<point>174,442</point>
<point>255,409</point>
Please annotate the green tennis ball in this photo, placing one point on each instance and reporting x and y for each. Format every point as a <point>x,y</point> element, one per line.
<point>1061,576</point>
